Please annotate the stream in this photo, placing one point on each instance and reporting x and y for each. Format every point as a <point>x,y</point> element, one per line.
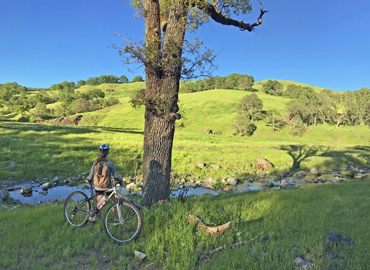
<point>60,192</point>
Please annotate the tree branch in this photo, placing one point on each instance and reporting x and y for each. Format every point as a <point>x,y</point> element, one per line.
<point>220,18</point>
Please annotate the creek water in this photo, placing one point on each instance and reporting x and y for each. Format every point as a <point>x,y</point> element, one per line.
<point>60,192</point>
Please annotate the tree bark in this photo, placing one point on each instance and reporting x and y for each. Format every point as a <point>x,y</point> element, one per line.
<point>161,95</point>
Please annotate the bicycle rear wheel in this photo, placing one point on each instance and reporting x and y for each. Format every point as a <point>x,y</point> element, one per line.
<point>76,209</point>
<point>123,231</point>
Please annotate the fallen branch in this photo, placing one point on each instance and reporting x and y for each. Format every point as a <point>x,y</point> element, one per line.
<point>207,229</point>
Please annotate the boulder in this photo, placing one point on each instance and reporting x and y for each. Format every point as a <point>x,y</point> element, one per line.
<point>263,163</point>
<point>302,263</point>
<point>232,181</point>
<point>3,194</point>
<point>206,185</point>
<point>46,185</point>
<point>26,189</point>
<point>336,238</point>
<point>141,256</point>
<point>43,192</point>
<point>315,171</point>
<point>130,187</point>
<point>201,165</point>
<point>215,166</point>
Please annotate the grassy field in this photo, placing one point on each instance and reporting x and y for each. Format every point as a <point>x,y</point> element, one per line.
<point>31,146</point>
<point>294,222</point>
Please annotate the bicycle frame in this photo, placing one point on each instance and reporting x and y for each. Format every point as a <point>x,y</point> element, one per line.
<point>91,198</point>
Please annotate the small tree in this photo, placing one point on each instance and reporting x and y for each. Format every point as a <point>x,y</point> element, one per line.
<point>274,118</point>
<point>123,79</point>
<point>246,82</point>
<point>251,106</point>
<point>298,127</point>
<point>273,87</point>
<point>81,105</point>
<point>243,126</point>
<point>81,83</point>
<point>138,79</point>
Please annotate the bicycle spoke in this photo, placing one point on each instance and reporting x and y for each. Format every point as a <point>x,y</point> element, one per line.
<point>75,209</point>
<point>124,230</point>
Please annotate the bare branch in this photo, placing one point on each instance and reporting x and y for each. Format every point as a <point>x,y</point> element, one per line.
<point>220,18</point>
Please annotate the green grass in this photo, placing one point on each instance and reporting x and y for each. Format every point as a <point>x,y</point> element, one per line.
<point>39,238</point>
<point>39,150</point>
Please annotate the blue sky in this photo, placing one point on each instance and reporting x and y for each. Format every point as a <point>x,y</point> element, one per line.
<point>322,43</point>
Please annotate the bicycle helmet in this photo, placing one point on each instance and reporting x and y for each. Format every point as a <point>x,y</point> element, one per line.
<point>104,150</point>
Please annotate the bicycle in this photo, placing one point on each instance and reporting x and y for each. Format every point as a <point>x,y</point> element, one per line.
<point>122,221</point>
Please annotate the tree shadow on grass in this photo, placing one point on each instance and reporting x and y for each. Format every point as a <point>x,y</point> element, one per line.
<point>301,152</point>
<point>358,155</point>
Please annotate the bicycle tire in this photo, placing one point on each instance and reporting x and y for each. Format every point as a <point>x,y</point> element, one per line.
<point>76,219</point>
<point>127,231</point>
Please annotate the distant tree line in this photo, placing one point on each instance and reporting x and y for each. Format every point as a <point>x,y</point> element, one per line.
<point>15,98</point>
<point>233,81</point>
<point>306,108</point>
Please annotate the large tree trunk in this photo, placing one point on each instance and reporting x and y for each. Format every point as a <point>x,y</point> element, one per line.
<point>161,94</point>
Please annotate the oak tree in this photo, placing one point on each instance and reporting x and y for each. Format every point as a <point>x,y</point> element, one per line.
<point>161,54</point>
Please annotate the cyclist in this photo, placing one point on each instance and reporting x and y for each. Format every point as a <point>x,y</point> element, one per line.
<point>104,151</point>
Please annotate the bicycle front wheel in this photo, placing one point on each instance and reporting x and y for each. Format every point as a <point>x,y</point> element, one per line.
<point>76,209</point>
<point>127,229</point>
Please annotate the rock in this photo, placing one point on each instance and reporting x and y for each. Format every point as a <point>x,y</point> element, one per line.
<point>207,185</point>
<point>130,187</point>
<point>302,263</point>
<point>26,189</point>
<point>331,255</point>
<point>10,188</point>
<point>141,256</point>
<point>287,186</point>
<point>45,189</point>
<point>315,171</point>
<point>40,202</point>
<point>3,194</point>
<point>215,166</point>
<point>232,181</point>
<point>300,173</point>
<point>11,164</point>
<point>227,189</point>
<point>55,179</point>
<point>263,163</point>
<point>201,165</point>
<point>14,202</point>
<point>52,201</point>
<point>43,192</point>
<point>335,238</point>
<point>46,185</point>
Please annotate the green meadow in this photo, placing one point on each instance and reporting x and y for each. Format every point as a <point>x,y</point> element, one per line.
<point>294,221</point>
<point>31,146</point>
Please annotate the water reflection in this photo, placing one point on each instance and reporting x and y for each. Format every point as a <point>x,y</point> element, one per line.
<point>60,192</point>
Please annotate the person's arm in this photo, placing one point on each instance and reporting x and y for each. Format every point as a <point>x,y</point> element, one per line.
<point>90,177</point>
<point>115,174</point>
